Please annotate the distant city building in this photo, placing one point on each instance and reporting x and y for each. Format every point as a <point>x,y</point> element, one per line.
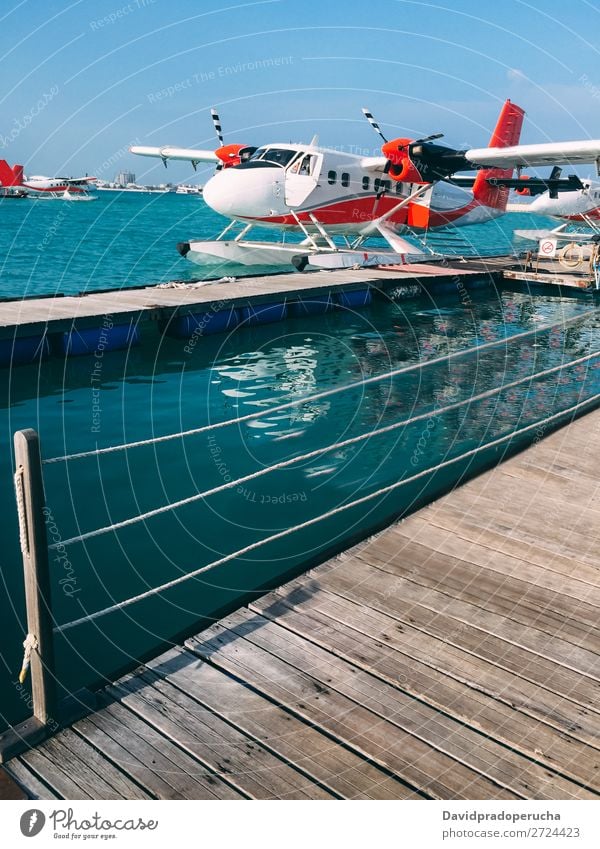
<point>125,177</point>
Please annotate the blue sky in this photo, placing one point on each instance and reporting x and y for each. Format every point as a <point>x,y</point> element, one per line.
<point>84,79</point>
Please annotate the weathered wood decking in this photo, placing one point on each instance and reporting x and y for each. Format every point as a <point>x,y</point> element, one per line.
<point>453,656</point>
<point>37,315</point>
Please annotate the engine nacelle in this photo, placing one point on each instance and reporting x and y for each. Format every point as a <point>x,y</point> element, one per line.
<point>234,154</point>
<point>402,168</point>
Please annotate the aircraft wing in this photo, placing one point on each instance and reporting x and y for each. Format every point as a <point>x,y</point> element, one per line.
<point>77,181</point>
<point>523,155</point>
<point>185,154</point>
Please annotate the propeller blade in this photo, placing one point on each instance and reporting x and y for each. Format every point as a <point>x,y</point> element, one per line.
<point>373,123</point>
<point>217,122</point>
<point>429,138</point>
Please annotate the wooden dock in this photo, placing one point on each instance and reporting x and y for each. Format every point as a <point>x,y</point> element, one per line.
<point>31,316</point>
<point>455,655</point>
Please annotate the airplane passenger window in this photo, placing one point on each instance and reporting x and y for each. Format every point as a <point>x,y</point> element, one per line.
<point>331,177</point>
<point>365,184</point>
<point>345,179</point>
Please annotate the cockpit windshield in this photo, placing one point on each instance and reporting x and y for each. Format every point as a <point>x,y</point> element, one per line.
<point>273,155</point>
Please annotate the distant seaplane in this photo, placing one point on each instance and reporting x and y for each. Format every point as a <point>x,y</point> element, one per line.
<point>323,193</point>
<point>66,188</point>
<point>581,203</point>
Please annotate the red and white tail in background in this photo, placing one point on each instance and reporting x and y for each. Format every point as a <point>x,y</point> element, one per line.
<point>10,177</point>
<point>506,134</point>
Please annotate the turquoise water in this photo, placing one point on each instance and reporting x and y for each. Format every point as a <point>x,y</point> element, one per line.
<point>121,240</point>
<point>151,391</point>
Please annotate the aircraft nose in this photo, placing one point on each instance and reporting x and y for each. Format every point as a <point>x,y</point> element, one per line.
<point>246,192</point>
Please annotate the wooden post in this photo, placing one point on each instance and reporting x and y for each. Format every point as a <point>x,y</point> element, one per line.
<point>34,545</point>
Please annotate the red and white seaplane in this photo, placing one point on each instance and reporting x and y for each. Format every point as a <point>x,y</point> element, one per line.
<point>323,194</point>
<point>63,188</point>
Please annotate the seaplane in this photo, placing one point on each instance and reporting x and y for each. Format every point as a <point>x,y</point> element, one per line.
<point>324,194</point>
<point>63,188</point>
<point>580,204</point>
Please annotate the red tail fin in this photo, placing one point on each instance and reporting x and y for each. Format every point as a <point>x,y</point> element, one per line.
<point>506,133</point>
<point>10,176</point>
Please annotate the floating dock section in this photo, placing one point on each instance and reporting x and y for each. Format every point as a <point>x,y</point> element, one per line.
<point>455,655</point>
<point>32,329</point>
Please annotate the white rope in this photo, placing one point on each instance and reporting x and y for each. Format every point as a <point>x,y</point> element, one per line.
<point>20,495</point>
<point>30,644</point>
<point>327,393</point>
<point>175,505</point>
<point>329,514</point>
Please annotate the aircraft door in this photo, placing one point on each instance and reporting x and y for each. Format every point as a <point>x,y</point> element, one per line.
<point>301,178</point>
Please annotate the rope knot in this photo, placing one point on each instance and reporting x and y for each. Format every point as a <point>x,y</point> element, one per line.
<point>30,644</point>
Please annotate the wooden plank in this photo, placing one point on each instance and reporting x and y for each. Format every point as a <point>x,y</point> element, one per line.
<point>548,522</point>
<point>27,779</point>
<point>564,577</point>
<point>521,601</point>
<point>386,696</point>
<point>357,579</point>
<point>499,523</point>
<point>93,776</point>
<point>345,772</point>
<point>219,746</point>
<point>55,775</point>
<point>475,528</point>
<point>86,764</point>
<point>185,775</point>
<point>232,646</point>
<point>374,642</point>
<point>9,789</point>
<point>525,679</point>
<point>456,598</point>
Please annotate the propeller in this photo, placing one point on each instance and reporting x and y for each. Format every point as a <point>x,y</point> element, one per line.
<point>217,123</point>
<point>409,159</point>
<point>369,116</point>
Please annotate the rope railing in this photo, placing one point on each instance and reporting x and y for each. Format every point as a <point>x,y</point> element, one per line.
<point>318,396</point>
<point>90,617</point>
<point>336,446</point>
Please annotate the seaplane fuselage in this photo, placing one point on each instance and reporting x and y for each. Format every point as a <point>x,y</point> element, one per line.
<point>288,185</point>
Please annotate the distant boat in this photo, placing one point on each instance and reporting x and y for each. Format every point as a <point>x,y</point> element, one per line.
<point>12,193</point>
<point>184,189</point>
